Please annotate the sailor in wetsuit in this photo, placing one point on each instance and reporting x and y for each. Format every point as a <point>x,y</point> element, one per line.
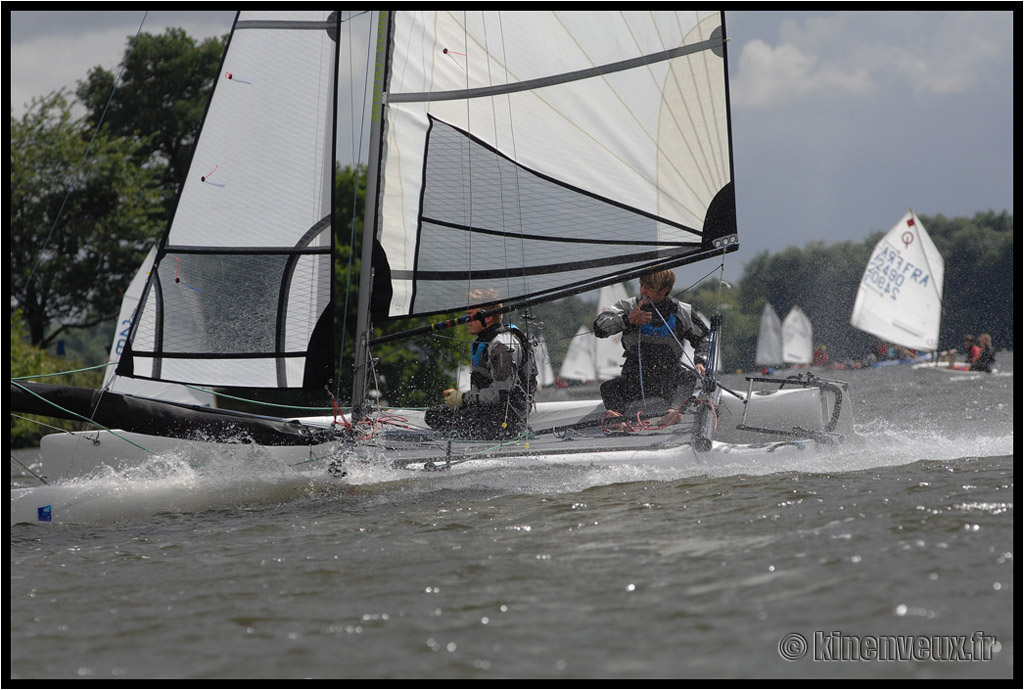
<point>502,384</point>
<point>653,328</point>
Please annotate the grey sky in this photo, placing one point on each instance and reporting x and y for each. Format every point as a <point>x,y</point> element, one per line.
<point>841,120</point>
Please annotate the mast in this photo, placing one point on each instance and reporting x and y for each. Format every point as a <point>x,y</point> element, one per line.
<point>360,365</point>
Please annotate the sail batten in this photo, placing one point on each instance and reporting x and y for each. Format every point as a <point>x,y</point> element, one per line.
<point>529,85</point>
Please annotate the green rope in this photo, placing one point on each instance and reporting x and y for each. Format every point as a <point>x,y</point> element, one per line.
<point>85,419</point>
<point>61,373</point>
<point>258,402</point>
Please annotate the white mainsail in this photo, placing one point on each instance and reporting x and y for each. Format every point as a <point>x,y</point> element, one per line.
<point>900,295</point>
<point>769,339</point>
<point>528,152</point>
<point>797,338</point>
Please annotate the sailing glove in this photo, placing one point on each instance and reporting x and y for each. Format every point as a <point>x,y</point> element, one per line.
<point>453,398</point>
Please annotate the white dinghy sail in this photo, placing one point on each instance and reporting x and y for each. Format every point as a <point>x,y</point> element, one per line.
<point>545,372</point>
<point>579,363</point>
<point>797,338</point>
<point>900,296</point>
<point>769,339</point>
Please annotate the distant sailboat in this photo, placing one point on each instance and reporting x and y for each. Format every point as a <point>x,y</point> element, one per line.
<point>769,339</point>
<point>590,358</point>
<point>578,364</point>
<point>545,373</point>
<point>900,295</point>
<point>797,338</point>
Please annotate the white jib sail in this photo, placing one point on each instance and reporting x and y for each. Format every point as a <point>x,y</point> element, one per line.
<point>900,295</point>
<point>797,338</point>
<point>244,273</point>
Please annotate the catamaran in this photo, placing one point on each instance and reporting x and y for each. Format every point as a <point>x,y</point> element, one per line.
<point>534,154</point>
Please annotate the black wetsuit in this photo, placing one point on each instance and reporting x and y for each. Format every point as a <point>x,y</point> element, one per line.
<point>502,384</point>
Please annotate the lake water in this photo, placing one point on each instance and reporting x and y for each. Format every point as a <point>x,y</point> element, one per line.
<point>891,558</point>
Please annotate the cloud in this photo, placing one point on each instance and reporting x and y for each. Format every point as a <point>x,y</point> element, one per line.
<point>772,76</point>
<point>852,53</point>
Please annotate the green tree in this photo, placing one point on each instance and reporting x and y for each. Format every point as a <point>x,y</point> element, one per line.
<point>26,360</point>
<point>164,88</point>
<point>81,218</point>
<point>979,291</point>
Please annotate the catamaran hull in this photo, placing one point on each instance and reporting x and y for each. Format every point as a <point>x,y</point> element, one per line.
<point>768,424</point>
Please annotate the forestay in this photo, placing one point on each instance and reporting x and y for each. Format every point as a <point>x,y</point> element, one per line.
<point>900,295</point>
<point>528,152</point>
<point>243,273</point>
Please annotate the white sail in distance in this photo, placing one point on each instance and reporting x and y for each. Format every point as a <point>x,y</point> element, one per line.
<point>900,295</point>
<point>797,338</point>
<point>579,362</point>
<point>608,351</point>
<point>545,372</point>
<point>769,339</point>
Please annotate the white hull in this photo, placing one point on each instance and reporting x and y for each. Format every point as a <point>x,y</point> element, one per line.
<point>73,462</point>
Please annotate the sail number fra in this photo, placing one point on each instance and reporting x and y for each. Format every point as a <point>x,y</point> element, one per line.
<point>888,272</point>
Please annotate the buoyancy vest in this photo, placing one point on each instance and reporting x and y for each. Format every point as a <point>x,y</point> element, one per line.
<point>519,389</point>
